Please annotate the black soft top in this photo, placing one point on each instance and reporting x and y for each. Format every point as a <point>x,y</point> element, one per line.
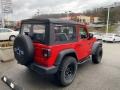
<point>48,20</point>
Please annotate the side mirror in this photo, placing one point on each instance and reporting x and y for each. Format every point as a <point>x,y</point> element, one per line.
<point>90,35</point>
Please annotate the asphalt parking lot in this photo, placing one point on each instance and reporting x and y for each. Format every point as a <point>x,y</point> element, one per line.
<point>104,76</point>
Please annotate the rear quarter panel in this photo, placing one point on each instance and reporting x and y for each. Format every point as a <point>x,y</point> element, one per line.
<point>55,50</point>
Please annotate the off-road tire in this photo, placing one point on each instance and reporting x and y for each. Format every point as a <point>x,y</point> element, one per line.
<point>23,49</point>
<point>68,65</point>
<point>96,58</point>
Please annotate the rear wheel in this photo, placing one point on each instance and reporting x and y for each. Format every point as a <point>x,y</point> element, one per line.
<point>67,71</point>
<point>96,58</point>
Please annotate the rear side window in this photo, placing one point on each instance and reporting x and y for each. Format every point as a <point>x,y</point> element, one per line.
<point>39,29</point>
<point>26,29</point>
<point>64,33</point>
<point>38,33</point>
<point>35,31</point>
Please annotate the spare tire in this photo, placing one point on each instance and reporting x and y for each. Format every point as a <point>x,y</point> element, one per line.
<point>23,49</point>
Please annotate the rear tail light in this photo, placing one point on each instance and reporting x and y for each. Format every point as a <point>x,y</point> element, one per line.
<point>46,53</point>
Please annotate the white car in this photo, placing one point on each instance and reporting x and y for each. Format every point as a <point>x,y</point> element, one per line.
<point>111,38</point>
<point>97,35</point>
<point>8,34</point>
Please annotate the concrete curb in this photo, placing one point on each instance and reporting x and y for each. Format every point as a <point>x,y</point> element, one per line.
<point>6,54</point>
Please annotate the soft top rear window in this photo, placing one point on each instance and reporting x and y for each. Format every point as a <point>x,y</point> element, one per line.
<point>35,31</point>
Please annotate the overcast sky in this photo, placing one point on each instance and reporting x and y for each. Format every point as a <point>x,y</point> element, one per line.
<point>26,8</point>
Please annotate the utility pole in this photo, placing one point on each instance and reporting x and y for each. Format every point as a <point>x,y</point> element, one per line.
<point>6,8</point>
<point>108,14</point>
<point>2,15</point>
<point>3,20</point>
<point>108,18</point>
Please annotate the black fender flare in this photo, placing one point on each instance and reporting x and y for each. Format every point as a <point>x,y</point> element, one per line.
<point>62,54</point>
<point>95,46</point>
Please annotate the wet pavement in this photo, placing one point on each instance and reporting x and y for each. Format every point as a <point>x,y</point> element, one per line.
<point>104,76</point>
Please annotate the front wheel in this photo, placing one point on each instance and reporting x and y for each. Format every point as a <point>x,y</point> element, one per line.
<point>96,58</point>
<point>67,71</point>
<point>12,38</point>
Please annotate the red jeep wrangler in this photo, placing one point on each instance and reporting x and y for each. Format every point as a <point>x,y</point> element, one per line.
<point>54,46</point>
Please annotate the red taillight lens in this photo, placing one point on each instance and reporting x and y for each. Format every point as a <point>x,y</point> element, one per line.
<point>46,53</point>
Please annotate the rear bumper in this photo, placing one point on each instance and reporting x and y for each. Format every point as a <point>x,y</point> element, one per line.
<point>43,70</point>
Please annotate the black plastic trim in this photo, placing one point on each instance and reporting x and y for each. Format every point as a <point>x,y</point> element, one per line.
<point>62,54</point>
<point>43,70</point>
<point>96,45</point>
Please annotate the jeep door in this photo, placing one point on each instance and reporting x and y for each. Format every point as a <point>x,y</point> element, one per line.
<point>83,43</point>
